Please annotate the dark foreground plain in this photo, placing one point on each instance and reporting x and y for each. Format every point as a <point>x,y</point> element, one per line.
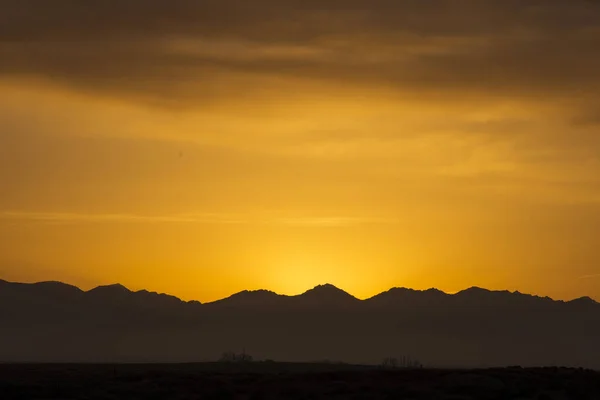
<point>290,381</point>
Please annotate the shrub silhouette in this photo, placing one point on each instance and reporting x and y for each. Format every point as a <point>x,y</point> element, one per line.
<point>404,362</point>
<point>390,362</point>
<point>230,356</point>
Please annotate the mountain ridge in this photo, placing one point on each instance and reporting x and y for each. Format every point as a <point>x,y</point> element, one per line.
<point>326,289</point>
<point>55,322</point>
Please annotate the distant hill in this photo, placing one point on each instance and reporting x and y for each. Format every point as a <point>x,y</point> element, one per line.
<point>56,322</point>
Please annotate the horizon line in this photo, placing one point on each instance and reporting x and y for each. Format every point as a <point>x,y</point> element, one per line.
<point>325,285</point>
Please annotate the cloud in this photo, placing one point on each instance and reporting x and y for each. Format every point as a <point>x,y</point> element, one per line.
<point>53,217</point>
<point>203,218</point>
<point>191,51</point>
<point>592,276</point>
<point>500,93</point>
<point>332,221</point>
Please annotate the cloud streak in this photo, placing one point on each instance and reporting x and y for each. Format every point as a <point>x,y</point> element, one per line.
<point>592,276</point>
<point>53,217</point>
<point>204,218</point>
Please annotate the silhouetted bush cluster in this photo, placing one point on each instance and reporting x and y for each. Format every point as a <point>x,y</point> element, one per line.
<point>230,356</point>
<point>403,362</point>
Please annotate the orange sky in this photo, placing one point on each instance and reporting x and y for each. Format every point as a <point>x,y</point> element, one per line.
<point>202,150</point>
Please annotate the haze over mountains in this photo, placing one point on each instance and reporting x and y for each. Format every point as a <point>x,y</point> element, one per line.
<point>56,322</point>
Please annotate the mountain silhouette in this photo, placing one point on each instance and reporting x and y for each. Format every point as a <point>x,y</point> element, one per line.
<point>110,290</point>
<point>326,295</point>
<point>320,296</point>
<point>250,298</point>
<point>398,297</point>
<point>119,295</point>
<point>50,289</point>
<point>56,322</point>
<point>584,301</point>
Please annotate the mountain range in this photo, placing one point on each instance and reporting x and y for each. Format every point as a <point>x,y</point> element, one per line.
<point>56,322</point>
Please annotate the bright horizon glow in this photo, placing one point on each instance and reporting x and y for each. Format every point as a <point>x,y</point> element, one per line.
<point>321,228</point>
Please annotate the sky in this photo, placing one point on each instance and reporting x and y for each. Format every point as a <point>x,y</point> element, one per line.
<point>200,148</point>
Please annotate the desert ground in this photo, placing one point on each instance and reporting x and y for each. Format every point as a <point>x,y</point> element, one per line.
<point>269,380</point>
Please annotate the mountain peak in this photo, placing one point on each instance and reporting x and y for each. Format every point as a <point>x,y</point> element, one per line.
<point>327,293</point>
<point>250,298</point>
<point>474,290</point>
<point>111,289</point>
<point>408,290</point>
<point>54,284</point>
<point>326,286</point>
<point>255,293</point>
<point>402,296</point>
<point>583,300</point>
<point>49,289</point>
<point>57,287</point>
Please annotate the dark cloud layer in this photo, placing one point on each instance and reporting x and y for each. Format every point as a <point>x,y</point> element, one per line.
<point>509,47</point>
<point>286,20</point>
